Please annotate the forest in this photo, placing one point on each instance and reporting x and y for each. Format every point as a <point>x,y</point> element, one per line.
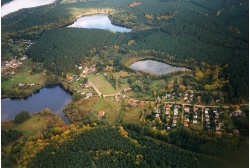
<point>98,145</point>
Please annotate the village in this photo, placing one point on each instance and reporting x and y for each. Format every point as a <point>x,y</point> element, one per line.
<point>169,115</point>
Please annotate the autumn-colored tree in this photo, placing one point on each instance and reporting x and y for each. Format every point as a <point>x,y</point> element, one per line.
<point>198,75</point>
<point>182,87</point>
<point>237,107</point>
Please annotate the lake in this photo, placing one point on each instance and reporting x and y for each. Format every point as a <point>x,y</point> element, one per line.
<point>155,67</point>
<point>55,98</point>
<point>15,5</point>
<point>99,21</point>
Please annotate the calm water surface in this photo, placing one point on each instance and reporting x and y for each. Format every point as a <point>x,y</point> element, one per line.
<point>99,21</point>
<point>15,5</point>
<point>155,67</point>
<point>55,99</point>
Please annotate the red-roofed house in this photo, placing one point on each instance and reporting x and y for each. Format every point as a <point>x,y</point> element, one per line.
<point>101,113</point>
<point>141,104</point>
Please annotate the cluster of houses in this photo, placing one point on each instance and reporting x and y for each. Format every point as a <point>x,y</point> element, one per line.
<point>127,89</point>
<point>188,118</point>
<point>22,85</point>
<point>212,118</point>
<point>185,96</point>
<point>13,63</point>
<point>88,70</point>
<point>28,43</point>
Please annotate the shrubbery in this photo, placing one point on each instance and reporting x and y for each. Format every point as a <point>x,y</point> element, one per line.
<point>22,116</point>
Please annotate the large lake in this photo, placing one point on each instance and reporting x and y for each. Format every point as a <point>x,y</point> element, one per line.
<point>15,5</point>
<point>55,98</point>
<point>99,21</point>
<point>155,67</point>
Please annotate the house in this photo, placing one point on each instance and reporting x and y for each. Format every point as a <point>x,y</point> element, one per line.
<point>167,108</point>
<point>101,113</point>
<point>175,112</point>
<point>141,104</point>
<point>157,115</point>
<point>187,119</point>
<point>236,131</point>
<point>85,70</point>
<point>82,92</point>
<point>168,128</point>
<point>194,121</point>
<point>168,105</point>
<point>127,89</point>
<point>195,109</point>
<point>237,113</point>
<point>217,128</point>
<point>89,94</point>
<point>158,105</point>
<point>167,112</point>
<point>24,57</point>
<point>174,121</point>
<point>93,70</point>
<point>206,116</point>
<point>186,109</point>
<point>185,124</point>
<point>206,110</point>
<point>122,96</point>
<point>87,84</point>
<point>195,116</point>
<point>132,100</point>
<point>157,111</point>
<point>21,84</point>
<point>168,95</point>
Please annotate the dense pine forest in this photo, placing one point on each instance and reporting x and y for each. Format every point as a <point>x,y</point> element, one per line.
<point>105,146</point>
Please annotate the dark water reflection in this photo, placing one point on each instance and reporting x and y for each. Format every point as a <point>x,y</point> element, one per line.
<point>155,67</point>
<point>55,98</point>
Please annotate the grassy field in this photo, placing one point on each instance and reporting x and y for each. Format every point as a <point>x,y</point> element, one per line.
<point>23,77</point>
<point>87,104</point>
<point>111,108</point>
<point>124,83</point>
<point>33,125</point>
<point>132,116</point>
<point>102,84</point>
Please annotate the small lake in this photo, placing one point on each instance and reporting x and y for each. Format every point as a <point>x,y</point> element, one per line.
<point>155,67</point>
<point>99,21</point>
<point>15,5</point>
<point>55,98</point>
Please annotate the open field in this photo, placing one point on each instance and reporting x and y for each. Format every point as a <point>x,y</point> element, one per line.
<point>86,104</point>
<point>132,116</point>
<point>23,77</point>
<point>111,108</point>
<point>102,84</point>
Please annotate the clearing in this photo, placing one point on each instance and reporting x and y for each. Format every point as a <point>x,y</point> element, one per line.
<point>102,84</point>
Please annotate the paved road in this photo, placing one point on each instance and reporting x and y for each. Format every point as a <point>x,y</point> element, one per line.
<point>96,89</point>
